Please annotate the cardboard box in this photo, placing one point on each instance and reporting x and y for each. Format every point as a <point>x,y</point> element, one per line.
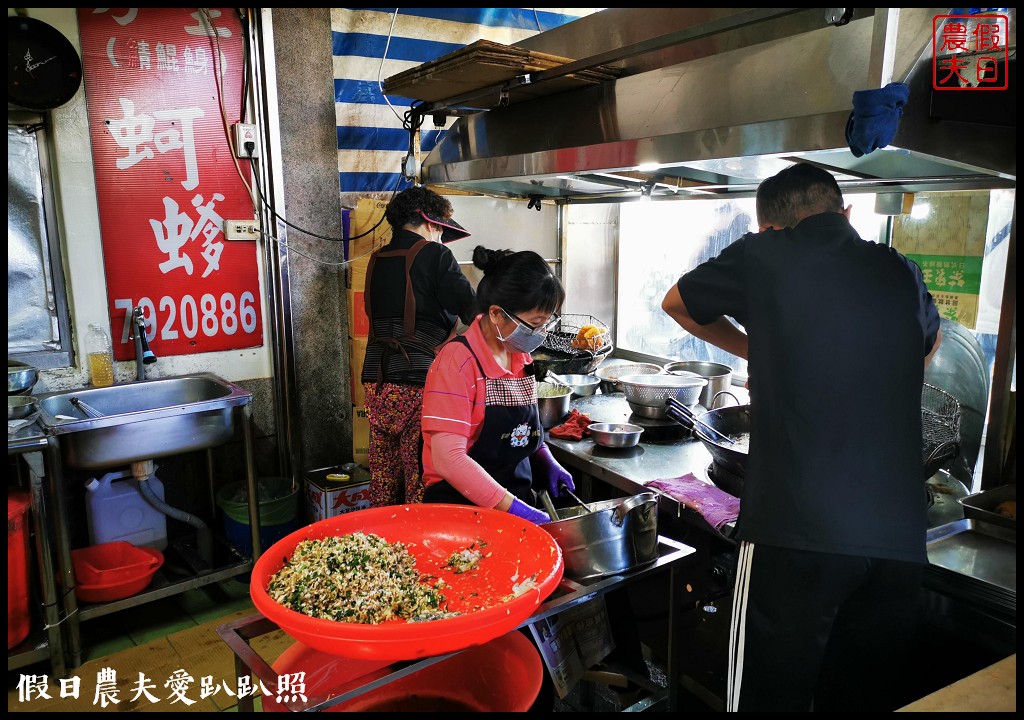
<point>358,350</point>
<point>368,213</point>
<point>327,496</point>
<point>357,273</point>
<point>358,322</point>
<point>360,436</point>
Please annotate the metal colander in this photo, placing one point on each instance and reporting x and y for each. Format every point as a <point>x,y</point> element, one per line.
<point>940,428</point>
<point>654,390</point>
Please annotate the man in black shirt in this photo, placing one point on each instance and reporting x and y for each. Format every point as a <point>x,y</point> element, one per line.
<point>837,332</point>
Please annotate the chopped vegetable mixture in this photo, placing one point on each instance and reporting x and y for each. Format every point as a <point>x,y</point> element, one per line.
<point>357,578</point>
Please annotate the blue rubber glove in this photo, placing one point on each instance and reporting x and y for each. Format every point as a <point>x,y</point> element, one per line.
<point>521,509</point>
<point>551,472</point>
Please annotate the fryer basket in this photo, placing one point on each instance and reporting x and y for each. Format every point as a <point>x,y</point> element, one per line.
<point>940,428</point>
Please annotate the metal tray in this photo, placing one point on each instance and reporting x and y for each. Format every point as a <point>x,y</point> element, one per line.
<point>976,549</point>
<point>982,506</point>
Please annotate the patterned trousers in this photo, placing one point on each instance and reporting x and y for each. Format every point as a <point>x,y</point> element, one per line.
<point>396,443</point>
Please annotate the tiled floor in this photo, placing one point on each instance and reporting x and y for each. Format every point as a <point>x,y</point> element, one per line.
<point>179,631</point>
<point>157,639</point>
<point>144,623</point>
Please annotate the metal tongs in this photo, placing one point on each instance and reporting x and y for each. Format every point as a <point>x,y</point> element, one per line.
<point>565,488</point>
<point>687,413</point>
<point>557,380</point>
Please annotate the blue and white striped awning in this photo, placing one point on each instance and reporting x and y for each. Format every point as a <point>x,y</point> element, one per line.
<point>371,139</point>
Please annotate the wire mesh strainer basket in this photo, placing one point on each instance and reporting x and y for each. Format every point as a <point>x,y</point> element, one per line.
<point>610,374</point>
<point>940,428</point>
<point>654,390</point>
<point>575,334</point>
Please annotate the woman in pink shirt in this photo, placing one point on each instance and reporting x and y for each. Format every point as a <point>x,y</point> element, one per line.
<point>483,443</point>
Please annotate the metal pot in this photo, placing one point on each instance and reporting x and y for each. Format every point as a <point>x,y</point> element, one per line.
<point>615,536</point>
<point>719,377</point>
<point>553,408</point>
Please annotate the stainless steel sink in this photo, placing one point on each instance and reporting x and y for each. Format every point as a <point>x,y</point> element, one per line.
<point>142,420</point>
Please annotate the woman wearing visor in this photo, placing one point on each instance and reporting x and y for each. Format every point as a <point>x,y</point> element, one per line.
<point>415,293</point>
<point>483,443</point>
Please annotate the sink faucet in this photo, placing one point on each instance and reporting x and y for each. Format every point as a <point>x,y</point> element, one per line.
<point>143,355</point>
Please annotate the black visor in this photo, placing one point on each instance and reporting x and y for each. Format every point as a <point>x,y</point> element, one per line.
<point>452,230</point>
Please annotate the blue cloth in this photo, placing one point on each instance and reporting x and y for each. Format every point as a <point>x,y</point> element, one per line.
<point>875,117</point>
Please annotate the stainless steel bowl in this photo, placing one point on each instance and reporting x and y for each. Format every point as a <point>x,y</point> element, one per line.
<point>21,378</point>
<point>615,435</point>
<point>20,407</point>
<point>582,384</point>
<point>648,411</point>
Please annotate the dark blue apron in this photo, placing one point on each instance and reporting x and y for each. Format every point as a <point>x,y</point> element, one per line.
<point>509,435</point>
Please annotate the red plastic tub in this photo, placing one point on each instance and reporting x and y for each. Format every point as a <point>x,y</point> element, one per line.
<point>18,619</point>
<point>503,675</point>
<point>522,567</point>
<point>108,572</point>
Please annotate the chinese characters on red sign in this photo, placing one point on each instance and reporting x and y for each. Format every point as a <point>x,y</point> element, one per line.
<point>165,178</point>
<point>970,52</point>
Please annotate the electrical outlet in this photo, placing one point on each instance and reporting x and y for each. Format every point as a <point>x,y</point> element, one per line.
<point>246,133</point>
<point>242,229</point>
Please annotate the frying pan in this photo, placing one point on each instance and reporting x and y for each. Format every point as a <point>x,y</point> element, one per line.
<point>732,421</point>
<point>43,67</point>
<point>735,421</point>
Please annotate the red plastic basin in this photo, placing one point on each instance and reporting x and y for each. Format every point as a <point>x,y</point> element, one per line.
<point>485,597</point>
<point>115,582</point>
<point>110,563</point>
<point>503,675</point>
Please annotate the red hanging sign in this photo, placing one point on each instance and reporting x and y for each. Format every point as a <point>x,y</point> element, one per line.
<point>165,177</point>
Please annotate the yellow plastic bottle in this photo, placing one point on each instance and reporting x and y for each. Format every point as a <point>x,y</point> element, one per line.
<point>100,357</point>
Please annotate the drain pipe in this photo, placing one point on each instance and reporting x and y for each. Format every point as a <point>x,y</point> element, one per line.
<point>144,470</point>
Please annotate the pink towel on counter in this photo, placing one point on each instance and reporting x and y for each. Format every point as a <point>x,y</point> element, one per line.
<point>714,504</point>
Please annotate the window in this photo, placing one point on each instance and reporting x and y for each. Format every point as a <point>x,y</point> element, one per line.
<point>659,241</point>
<point>37,318</point>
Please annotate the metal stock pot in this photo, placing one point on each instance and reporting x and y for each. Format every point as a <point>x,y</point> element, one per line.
<point>607,538</point>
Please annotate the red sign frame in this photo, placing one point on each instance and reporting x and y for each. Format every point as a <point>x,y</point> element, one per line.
<point>165,176</point>
<point>970,52</point>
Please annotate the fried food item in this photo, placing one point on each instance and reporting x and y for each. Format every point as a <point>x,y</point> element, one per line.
<point>1008,509</point>
<point>590,337</point>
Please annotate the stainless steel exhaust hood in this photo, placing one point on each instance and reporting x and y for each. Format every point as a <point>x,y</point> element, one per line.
<point>712,101</point>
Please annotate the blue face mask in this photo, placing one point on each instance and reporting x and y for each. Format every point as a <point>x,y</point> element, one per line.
<point>521,339</point>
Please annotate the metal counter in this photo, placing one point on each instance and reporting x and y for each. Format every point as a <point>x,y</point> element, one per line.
<point>630,469</point>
